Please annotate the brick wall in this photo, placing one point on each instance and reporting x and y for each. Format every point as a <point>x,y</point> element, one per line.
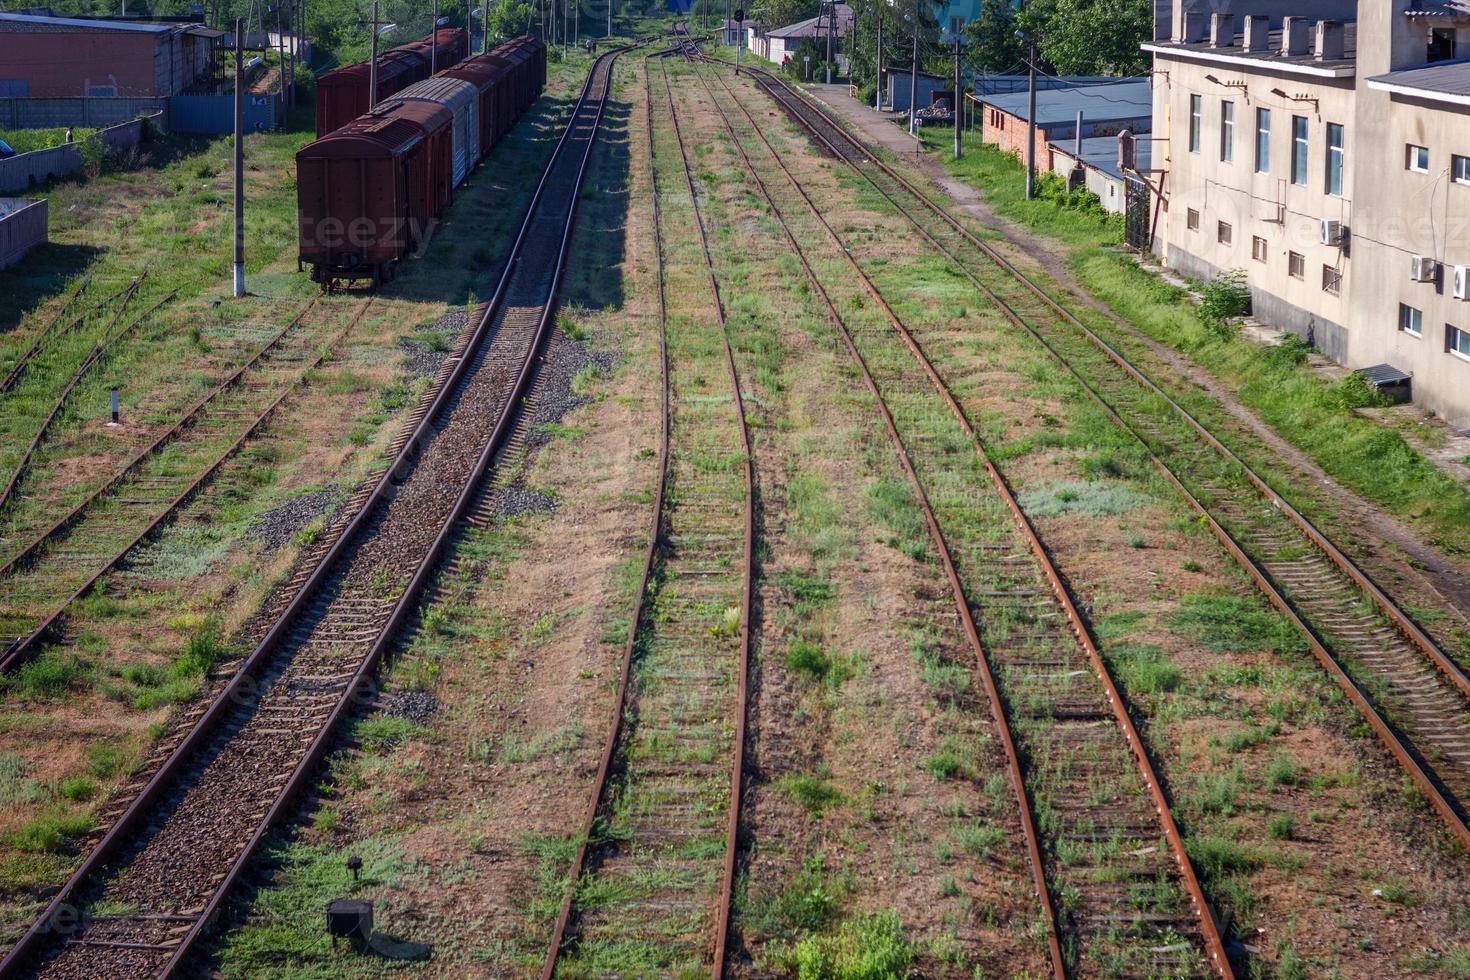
<point>1008,132</point>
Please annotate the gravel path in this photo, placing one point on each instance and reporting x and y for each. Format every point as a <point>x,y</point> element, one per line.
<point>277,526</point>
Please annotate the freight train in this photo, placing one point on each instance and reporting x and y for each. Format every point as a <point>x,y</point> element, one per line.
<point>369,193</point>
<point>342,95</point>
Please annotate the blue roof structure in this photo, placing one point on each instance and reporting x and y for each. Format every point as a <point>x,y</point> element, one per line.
<point>1124,99</point>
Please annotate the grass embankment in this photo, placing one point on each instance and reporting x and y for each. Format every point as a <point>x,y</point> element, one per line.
<point>1313,413</point>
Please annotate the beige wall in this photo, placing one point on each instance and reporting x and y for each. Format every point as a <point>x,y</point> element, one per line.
<point>1265,205</point>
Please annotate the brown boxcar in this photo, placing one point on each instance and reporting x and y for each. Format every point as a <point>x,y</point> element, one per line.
<point>370,192</point>
<point>342,95</point>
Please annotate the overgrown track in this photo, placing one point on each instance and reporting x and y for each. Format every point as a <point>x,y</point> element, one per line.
<point>96,355</point>
<point>165,865</point>
<point>1116,886</point>
<point>1414,696</point>
<point>58,327</point>
<point>655,867</point>
<point>66,559</point>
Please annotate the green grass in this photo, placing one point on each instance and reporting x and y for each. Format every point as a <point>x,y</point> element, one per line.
<point>381,735</point>
<point>870,946</point>
<point>26,140</point>
<point>1226,623</point>
<point>807,658</point>
<point>1145,668</point>
<point>812,793</point>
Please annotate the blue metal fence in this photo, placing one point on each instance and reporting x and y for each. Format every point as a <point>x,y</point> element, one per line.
<point>216,113</point>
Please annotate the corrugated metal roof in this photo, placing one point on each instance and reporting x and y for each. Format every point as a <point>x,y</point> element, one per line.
<point>1130,98</point>
<point>448,91</point>
<point>1101,153</point>
<point>1441,8</point>
<point>817,26</point>
<point>1447,78</point>
<point>96,25</point>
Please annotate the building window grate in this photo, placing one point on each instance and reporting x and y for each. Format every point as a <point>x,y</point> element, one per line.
<point>1191,219</point>
<point>1331,280</point>
<point>1258,248</point>
<point>1224,234</point>
<point>1296,265</point>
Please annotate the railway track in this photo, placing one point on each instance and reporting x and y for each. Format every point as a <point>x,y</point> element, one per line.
<point>64,560</point>
<point>1414,696</point>
<point>162,869</point>
<point>656,861</point>
<point>99,351</point>
<point>1116,886</point>
<point>58,327</point>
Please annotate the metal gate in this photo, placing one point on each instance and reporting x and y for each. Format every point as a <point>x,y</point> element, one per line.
<point>1137,214</point>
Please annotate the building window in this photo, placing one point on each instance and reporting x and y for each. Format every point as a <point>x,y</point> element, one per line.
<point>1191,219</point>
<point>1334,159</point>
<point>1227,132</point>
<point>1331,280</point>
<point>1411,321</point>
<point>1224,234</point>
<point>1460,169</point>
<point>1258,248</point>
<point>1441,44</point>
<point>1299,150</point>
<point>1417,159</point>
<point>1296,265</point>
<point>1263,141</point>
<point>1196,121</point>
<point>1457,341</point>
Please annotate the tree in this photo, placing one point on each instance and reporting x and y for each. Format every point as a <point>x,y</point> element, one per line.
<point>1097,37</point>
<point>991,43</point>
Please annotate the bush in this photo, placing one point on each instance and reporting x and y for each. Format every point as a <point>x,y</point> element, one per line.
<point>1226,299</point>
<point>869,947</point>
<point>806,657</point>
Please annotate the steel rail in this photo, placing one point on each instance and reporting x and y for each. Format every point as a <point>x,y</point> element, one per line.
<point>20,647</point>
<point>99,349</point>
<point>243,679</point>
<point>52,330</point>
<point>1214,944</point>
<point>14,561</point>
<point>655,540</point>
<point>1405,623</point>
<point>1397,745</point>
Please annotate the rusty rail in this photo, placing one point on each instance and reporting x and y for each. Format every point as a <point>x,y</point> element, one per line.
<point>20,647</point>
<point>53,330</point>
<point>1213,940</point>
<point>1390,738</point>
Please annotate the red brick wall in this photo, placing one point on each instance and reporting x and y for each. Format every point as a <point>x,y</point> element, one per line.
<point>1008,132</point>
<point>65,64</point>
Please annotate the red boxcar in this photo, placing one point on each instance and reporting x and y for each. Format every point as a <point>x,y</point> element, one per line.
<point>342,95</point>
<point>368,193</point>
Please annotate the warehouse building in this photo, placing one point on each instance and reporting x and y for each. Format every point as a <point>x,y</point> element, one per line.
<point>780,43</point>
<point>60,57</point>
<point>1105,110</point>
<point>1325,150</point>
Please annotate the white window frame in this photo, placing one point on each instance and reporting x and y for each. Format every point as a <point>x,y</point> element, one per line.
<point>1227,131</point>
<point>1412,151</point>
<point>1196,122</point>
<point>1408,316</point>
<point>1336,158</point>
<point>1263,141</point>
<point>1450,328</point>
<point>1301,135</point>
<point>1460,169</point>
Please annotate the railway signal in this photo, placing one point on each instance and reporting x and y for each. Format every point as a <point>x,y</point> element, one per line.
<point>240,159</point>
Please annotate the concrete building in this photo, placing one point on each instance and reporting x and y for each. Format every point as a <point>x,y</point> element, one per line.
<point>1325,150</point>
<point>1107,110</point>
<point>779,43</point>
<point>733,34</point>
<point>896,87</point>
<point>58,57</point>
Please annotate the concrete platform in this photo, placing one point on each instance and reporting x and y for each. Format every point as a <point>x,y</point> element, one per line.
<point>884,128</point>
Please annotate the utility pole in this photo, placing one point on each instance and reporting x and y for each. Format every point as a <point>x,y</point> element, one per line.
<point>577,24</point>
<point>914,81</point>
<point>434,41</point>
<point>832,29</point>
<point>373,64</point>
<point>609,17</point>
<point>1031,121</point>
<point>563,29</point>
<point>239,159</point>
<point>739,35</point>
<point>955,23</point>
<point>878,99</point>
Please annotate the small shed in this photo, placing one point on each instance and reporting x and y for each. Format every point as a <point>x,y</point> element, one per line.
<point>22,228</point>
<point>897,95</point>
<point>1106,110</point>
<point>1098,162</point>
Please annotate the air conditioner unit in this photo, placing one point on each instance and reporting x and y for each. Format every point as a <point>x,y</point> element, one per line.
<point>1422,268</point>
<point>1462,282</point>
<point>1332,232</point>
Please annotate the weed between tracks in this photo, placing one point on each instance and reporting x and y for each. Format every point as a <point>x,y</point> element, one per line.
<point>1221,723</point>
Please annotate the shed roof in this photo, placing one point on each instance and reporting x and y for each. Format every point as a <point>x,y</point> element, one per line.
<point>96,25</point>
<point>443,90</point>
<point>1445,82</point>
<point>819,26</point>
<point>1128,98</point>
<point>1101,153</point>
